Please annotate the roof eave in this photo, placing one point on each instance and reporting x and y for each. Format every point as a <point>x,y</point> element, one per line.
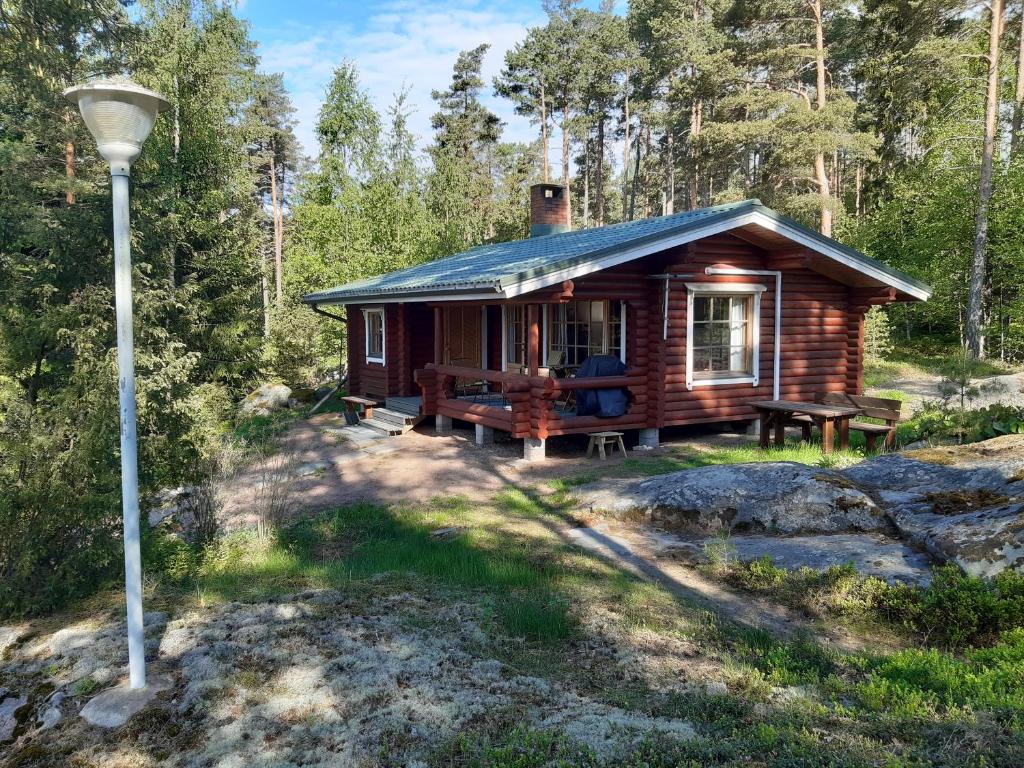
<point>397,296</point>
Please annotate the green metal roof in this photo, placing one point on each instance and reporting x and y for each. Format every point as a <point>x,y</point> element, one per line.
<point>499,267</point>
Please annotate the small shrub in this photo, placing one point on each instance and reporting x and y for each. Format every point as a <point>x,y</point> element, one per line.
<point>955,611</point>
<point>275,502</point>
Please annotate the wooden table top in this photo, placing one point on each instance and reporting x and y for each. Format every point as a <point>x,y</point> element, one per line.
<point>810,409</point>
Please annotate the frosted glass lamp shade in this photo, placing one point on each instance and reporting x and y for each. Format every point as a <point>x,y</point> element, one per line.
<point>120,116</point>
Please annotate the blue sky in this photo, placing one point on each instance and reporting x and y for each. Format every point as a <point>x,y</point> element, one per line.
<point>392,42</point>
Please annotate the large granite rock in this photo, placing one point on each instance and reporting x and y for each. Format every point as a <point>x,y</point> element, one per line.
<point>983,542</point>
<point>775,496</point>
<point>959,504</point>
<point>266,400</point>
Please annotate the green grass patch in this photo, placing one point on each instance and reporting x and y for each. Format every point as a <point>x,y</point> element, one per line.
<point>363,542</point>
<point>918,683</point>
<point>680,458</point>
<point>955,611</point>
<point>910,363</point>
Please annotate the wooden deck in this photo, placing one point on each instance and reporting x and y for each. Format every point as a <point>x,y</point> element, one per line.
<point>527,406</point>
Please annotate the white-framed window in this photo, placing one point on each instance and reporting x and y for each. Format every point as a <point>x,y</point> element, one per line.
<point>578,329</point>
<point>723,333</point>
<point>514,336</point>
<point>373,325</point>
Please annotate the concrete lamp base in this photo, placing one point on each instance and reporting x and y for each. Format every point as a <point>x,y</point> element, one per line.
<point>116,706</point>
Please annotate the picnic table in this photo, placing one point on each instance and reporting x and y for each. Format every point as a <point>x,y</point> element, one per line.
<point>829,418</point>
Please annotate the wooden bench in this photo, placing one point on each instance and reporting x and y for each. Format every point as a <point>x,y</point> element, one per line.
<point>872,407</point>
<point>352,403</point>
<point>602,439</point>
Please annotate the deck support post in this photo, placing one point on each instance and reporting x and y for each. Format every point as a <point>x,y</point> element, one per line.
<point>484,435</point>
<point>534,449</point>
<point>443,424</point>
<point>650,437</point>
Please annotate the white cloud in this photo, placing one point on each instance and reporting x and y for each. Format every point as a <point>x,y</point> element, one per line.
<point>398,43</point>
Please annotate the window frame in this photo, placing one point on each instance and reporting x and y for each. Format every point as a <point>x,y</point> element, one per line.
<point>750,291</point>
<point>507,323</point>
<point>370,358</point>
<point>606,341</point>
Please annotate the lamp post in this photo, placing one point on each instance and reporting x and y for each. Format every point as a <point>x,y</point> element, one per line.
<point>120,115</point>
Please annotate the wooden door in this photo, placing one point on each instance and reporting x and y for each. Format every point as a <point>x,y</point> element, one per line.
<point>462,339</point>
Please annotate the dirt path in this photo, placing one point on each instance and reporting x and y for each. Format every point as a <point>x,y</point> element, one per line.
<point>1007,389</point>
<point>324,471</point>
<point>630,549</point>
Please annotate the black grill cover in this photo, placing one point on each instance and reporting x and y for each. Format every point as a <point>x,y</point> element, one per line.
<point>606,403</point>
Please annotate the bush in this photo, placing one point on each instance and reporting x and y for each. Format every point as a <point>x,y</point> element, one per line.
<point>955,611</point>
<point>55,546</point>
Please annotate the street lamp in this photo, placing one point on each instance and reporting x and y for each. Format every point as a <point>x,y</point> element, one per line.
<point>120,115</point>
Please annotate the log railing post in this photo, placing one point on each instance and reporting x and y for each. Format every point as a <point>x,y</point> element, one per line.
<point>438,336</point>
<point>533,339</point>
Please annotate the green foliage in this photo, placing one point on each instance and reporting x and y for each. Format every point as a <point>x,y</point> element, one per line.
<point>877,334</point>
<point>940,423</point>
<point>196,250</point>
<point>917,683</point>
<point>955,611</point>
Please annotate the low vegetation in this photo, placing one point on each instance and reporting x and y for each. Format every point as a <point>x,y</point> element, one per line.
<point>953,612</point>
<point>951,695</point>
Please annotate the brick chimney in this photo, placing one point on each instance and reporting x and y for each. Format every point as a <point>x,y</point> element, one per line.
<point>549,209</point>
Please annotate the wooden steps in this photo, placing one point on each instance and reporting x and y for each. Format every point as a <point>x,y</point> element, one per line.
<point>398,416</point>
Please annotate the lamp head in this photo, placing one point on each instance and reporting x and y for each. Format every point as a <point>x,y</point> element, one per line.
<point>120,116</point>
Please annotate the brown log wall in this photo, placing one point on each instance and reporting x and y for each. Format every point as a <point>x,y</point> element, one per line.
<point>822,346</point>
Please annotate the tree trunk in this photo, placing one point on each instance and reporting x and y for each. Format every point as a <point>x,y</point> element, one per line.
<point>696,115</point>
<point>820,173</point>
<point>544,133</point>
<point>670,176</point>
<point>565,158</point>
<point>636,175</point>
<point>69,171</point>
<point>625,150</point>
<point>278,279</point>
<point>856,193</point>
<point>1018,96</point>
<point>979,265</point>
<point>599,180</point>
<point>586,183</point>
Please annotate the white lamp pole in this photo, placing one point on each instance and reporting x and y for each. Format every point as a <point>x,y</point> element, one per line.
<point>120,115</point>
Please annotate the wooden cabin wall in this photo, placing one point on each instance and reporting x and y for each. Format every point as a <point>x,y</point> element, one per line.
<point>822,336</point>
<point>816,336</point>
<point>376,379</point>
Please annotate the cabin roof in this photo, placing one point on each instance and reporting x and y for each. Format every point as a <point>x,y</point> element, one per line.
<point>504,270</point>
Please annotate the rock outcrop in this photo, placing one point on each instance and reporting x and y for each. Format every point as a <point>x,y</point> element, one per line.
<point>960,504</point>
<point>772,496</point>
<point>266,400</point>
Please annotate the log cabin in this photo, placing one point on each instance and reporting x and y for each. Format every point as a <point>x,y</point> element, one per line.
<point>706,309</point>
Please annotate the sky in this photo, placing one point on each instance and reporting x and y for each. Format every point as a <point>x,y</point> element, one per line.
<point>392,43</point>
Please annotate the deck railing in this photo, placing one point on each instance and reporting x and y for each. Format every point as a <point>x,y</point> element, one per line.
<point>529,407</point>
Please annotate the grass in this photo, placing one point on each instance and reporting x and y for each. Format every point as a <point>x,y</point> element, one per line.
<point>916,364</point>
<point>364,543</point>
<point>687,457</point>
<point>548,609</point>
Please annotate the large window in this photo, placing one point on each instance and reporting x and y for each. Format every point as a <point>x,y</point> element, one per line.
<point>722,333</point>
<point>579,329</point>
<point>374,324</point>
